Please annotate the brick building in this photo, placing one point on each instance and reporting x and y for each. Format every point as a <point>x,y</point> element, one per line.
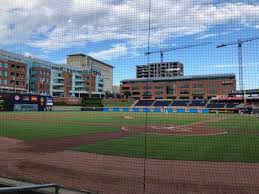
<point>87,77</point>
<point>40,80</point>
<point>181,87</point>
<point>13,76</point>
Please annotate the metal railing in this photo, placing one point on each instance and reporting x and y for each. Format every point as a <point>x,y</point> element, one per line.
<point>29,188</point>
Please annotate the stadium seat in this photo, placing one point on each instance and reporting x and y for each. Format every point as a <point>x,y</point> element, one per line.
<point>162,103</point>
<point>180,103</point>
<point>145,103</point>
<point>201,103</point>
<point>215,105</point>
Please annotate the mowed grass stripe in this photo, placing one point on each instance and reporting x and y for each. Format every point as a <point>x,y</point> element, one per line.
<point>242,122</point>
<point>227,148</point>
<point>29,130</point>
<point>139,118</point>
<point>43,125</point>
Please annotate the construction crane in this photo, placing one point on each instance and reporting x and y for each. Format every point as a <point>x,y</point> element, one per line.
<point>239,44</point>
<point>175,48</point>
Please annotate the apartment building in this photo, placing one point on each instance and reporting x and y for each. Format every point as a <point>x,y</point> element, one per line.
<point>166,69</point>
<point>39,80</point>
<point>27,74</point>
<point>13,75</point>
<point>181,87</point>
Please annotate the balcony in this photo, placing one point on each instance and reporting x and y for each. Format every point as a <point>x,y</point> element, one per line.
<point>60,78</point>
<point>80,81</point>
<point>58,84</point>
<point>61,89</point>
<point>80,86</point>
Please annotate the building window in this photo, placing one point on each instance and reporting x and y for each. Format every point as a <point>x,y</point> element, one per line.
<point>198,91</point>
<point>147,87</point>
<point>184,92</point>
<point>197,85</point>
<point>159,92</point>
<point>158,87</point>
<point>212,86</point>
<point>147,94</point>
<point>171,89</point>
<point>135,88</point>
<point>185,86</point>
<point>213,91</point>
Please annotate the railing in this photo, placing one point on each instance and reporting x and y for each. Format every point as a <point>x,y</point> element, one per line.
<point>29,188</point>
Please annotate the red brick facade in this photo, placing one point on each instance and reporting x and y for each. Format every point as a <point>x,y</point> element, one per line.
<point>181,89</point>
<point>13,75</point>
<point>67,83</point>
<point>90,82</point>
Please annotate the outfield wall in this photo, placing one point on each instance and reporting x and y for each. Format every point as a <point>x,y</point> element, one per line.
<point>168,110</point>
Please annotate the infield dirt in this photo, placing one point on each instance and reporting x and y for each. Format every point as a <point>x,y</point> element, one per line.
<point>111,174</point>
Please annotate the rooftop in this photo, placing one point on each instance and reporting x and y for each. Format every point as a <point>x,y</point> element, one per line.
<point>25,59</point>
<point>181,78</point>
<point>159,63</point>
<point>87,56</point>
<point>75,55</point>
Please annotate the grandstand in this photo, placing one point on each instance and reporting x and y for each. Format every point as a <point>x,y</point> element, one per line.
<point>183,103</point>
<point>225,104</point>
<point>145,103</point>
<point>215,105</point>
<point>198,103</point>
<point>162,103</point>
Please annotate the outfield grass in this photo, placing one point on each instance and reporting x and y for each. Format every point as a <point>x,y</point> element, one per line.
<point>241,144</point>
<point>240,123</point>
<point>230,148</point>
<point>29,130</point>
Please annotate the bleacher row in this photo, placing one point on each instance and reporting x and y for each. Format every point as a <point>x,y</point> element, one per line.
<point>186,103</point>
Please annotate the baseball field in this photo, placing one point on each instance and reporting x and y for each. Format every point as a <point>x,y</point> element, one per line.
<point>65,145</point>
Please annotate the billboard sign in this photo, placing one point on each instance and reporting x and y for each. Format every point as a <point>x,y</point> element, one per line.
<point>49,101</point>
<point>34,98</point>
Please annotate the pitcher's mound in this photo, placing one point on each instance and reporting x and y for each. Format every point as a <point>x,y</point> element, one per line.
<point>127,117</point>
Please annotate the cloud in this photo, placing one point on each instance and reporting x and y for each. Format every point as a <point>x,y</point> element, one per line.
<point>207,36</point>
<point>213,35</point>
<point>56,25</point>
<point>115,52</point>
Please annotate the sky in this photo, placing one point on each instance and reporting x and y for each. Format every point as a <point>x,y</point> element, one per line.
<point>116,31</point>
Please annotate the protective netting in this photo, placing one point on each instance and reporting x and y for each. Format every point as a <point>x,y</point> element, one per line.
<point>117,96</point>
